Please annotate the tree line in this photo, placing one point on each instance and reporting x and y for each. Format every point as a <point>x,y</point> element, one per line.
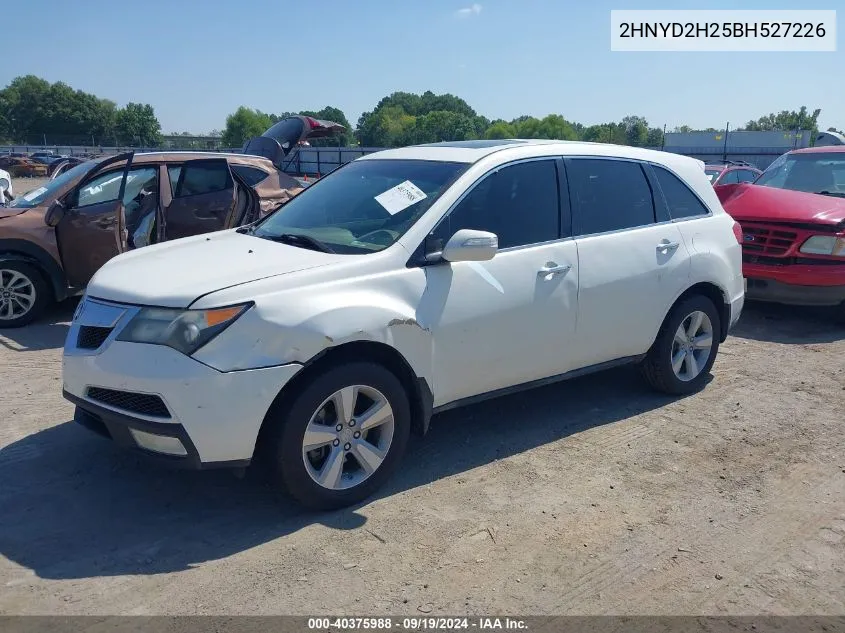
<point>34,111</point>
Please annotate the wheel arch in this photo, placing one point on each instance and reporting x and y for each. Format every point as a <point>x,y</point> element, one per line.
<point>24,251</point>
<point>719,298</point>
<point>418,389</point>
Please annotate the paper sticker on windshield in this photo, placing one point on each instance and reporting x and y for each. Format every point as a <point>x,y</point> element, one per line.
<point>31,195</point>
<point>400,197</point>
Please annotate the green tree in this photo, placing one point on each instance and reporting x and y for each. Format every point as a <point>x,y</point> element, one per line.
<point>136,125</point>
<point>441,125</point>
<point>388,127</point>
<point>500,130</point>
<point>636,130</point>
<point>244,124</point>
<point>788,120</point>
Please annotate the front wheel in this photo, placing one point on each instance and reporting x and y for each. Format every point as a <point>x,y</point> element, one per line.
<point>685,349</point>
<point>24,294</point>
<point>342,436</point>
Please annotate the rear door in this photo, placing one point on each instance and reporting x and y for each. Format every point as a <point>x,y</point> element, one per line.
<point>632,262</point>
<point>92,229</point>
<point>204,198</point>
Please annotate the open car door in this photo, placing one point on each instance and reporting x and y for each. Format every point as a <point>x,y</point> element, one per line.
<point>286,135</point>
<point>205,198</point>
<point>90,220</point>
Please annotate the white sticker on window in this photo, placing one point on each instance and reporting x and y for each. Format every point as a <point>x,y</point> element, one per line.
<point>400,197</point>
<point>31,195</point>
<point>710,176</point>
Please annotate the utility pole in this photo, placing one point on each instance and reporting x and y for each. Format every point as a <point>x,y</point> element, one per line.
<point>725,147</point>
<point>663,140</point>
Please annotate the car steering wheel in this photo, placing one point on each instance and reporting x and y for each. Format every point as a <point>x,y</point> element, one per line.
<point>368,237</point>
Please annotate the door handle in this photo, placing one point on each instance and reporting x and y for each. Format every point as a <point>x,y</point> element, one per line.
<point>105,223</point>
<point>666,246</point>
<point>553,269</point>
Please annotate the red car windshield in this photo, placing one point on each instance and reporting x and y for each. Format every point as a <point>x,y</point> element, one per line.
<point>822,173</point>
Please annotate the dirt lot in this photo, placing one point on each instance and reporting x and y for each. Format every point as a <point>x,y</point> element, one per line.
<point>589,497</point>
<point>22,185</point>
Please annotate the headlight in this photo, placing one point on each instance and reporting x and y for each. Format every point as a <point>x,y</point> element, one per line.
<point>824,245</point>
<point>183,330</point>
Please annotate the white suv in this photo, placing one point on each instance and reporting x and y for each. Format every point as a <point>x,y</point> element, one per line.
<point>406,282</point>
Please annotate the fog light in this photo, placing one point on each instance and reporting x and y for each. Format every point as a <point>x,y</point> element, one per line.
<point>158,443</point>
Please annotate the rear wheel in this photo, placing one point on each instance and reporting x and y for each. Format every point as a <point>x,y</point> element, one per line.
<point>24,294</point>
<point>342,436</point>
<point>686,347</point>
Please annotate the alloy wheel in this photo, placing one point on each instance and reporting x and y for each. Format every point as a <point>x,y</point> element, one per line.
<point>17,294</point>
<point>348,437</point>
<point>692,346</point>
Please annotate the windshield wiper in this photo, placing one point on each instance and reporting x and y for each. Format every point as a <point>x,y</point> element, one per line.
<point>836,194</point>
<point>246,230</point>
<point>303,241</point>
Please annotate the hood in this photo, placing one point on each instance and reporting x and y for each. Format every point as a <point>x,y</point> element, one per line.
<point>175,274</point>
<point>756,203</point>
<point>8,212</point>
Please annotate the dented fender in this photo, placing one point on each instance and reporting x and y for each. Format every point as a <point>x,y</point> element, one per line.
<point>262,338</point>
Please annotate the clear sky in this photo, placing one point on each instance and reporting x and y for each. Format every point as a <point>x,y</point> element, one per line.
<point>196,61</point>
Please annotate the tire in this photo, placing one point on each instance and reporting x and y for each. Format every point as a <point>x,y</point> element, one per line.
<point>27,279</point>
<point>297,470</point>
<point>839,315</point>
<point>658,365</point>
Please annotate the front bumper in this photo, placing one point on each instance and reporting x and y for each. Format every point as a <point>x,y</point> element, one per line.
<point>774,291</point>
<point>142,396</point>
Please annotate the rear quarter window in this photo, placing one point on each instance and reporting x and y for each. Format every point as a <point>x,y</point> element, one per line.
<point>680,199</point>
<point>250,175</point>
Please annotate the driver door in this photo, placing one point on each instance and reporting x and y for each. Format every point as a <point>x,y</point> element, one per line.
<point>204,199</point>
<point>92,228</point>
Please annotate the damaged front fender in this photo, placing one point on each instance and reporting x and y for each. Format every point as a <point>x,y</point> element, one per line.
<point>263,339</point>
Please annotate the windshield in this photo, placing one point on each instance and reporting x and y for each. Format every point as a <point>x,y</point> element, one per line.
<point>41,195</point>
<point>813,173</point>
<point>364,206</point>
<point>712,174</point>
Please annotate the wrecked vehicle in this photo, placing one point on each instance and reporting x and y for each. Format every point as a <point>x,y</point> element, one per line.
<point>20,167</point>
<point>54,238</point>
<point>793,228</point>
<point>405,282</point>
<point>730,172</point>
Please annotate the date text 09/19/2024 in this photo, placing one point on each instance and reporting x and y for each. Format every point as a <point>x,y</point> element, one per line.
<point>416,624</point>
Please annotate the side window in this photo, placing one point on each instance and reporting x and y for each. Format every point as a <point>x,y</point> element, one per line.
<point>682,202</point>
<point>746,175</point>
<point>250,175</point>
<point>730,178</point>
<point>104,188</point>
<point>518,203</point>
<point>202,177</point>
<point>140,183</point>
<point>609,195</point>
<point>173,172</point>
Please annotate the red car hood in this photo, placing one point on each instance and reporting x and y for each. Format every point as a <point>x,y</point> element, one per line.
<point>755,203</point>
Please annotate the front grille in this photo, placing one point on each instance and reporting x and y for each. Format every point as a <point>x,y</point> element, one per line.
<point>91,337</point>
<point>759,239</point>
<point>142,403</point>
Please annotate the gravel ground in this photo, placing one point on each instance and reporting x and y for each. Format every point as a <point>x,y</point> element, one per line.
<point>594,496</point>
<point>22,185</point>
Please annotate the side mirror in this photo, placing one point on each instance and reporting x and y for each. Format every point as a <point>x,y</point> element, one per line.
<point>469,245</point>
<point>55,213</point>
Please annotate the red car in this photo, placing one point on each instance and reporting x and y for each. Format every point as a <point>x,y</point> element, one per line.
<point>731,173</point>
<point>793,228</point>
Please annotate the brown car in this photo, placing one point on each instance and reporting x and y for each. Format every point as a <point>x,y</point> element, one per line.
<point>23,167</point>
<point>54,238</point>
